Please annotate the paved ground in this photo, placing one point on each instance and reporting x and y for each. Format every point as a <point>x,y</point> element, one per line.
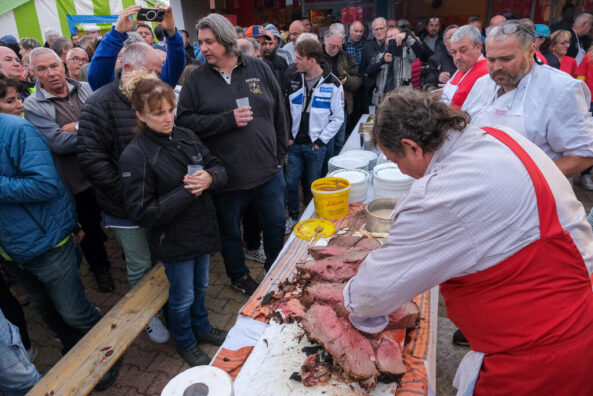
<point>147,367</point>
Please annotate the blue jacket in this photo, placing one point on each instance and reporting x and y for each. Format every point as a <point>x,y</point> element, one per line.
<point>35,209</point>
<point>102,67</point>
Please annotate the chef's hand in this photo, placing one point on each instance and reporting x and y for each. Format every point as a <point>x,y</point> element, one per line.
<point>198,182</point>
<point>243,115</point>
<point>444,77</point>
<point>124,24</point>
<point>388,57</point>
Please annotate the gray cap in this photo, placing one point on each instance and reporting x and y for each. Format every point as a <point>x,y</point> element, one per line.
<point>274,30</point>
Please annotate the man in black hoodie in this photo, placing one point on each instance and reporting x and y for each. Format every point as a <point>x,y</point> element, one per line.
<point>234,104</point>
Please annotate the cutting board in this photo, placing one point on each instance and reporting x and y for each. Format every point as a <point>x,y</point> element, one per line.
<point>277,355</point>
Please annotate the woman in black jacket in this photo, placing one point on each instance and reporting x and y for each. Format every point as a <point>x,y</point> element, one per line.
<point>165,193</point>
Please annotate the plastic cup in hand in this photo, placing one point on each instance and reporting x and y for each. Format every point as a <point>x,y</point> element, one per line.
<point>243,102</point>
<point>191,169</point>
<point>371,109</point>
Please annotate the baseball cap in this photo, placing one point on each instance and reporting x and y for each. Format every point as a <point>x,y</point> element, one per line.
<point>274,30</point>
<point>542,31</point>
<point>257,31</point>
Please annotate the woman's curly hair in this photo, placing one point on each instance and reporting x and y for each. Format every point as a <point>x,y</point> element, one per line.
<point>415,115</point>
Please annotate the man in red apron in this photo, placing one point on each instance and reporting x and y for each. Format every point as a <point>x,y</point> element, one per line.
<point>493,220</point>
<point>466,50</point>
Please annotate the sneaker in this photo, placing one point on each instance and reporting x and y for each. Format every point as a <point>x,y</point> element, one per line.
<point>215,336</point>
<point>32,352</point>
<point>194,356</point>
<point>459,339</point>
<point>586,182</point>
<point>245,285</point>
<point>256,255</point>
<point>157,332</point>
<point>290,223</point>
<point>104,281</point>
<point>109,377</point>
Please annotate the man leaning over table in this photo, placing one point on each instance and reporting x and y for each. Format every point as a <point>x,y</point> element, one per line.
<point>513,255</point>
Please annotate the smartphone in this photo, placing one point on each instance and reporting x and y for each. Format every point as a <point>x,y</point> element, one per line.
<point>150,15</point>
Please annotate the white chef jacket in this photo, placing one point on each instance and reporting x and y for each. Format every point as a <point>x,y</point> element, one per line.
<point>474,207</point>
<point>555,110</point>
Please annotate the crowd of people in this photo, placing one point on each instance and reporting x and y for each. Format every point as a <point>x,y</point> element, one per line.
<point>183,149</point>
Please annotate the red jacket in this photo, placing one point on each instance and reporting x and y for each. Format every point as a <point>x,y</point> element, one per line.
<point>569,65</point>
<point>585,71</point>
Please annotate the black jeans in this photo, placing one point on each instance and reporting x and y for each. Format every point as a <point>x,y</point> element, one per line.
<point>13,311</point>
<point>269,200</point>
<point>89,217</point>
<point>251,228</point>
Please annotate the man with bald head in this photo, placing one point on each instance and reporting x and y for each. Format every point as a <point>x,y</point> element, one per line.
<point>354,42</point>
<point>295,29</point>
<point>495,21</point>
<point>373,55</point>
<point>9,63</point>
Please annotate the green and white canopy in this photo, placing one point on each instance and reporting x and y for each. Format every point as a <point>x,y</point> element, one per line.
<point>30,18</point>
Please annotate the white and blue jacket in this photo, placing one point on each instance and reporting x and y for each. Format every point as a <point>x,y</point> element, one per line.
<point>326,114</point>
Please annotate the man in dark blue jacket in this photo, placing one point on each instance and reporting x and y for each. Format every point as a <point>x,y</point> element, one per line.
<point>102,67</point>
<point>37,220</point>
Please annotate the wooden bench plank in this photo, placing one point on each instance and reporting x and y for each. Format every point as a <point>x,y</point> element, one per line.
<point>83,366</point>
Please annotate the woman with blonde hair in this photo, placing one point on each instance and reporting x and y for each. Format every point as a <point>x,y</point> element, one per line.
<point>559,44</point>
<point>168,176</point>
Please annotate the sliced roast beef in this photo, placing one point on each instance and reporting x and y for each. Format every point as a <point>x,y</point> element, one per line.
<point>389,360</point>
<point>349,349</point>
<point>329,269</point>
<point>404,317</point>
<point>291,310</point>
<point>325,293</point>
<point>314,371</point>
<point>344,240</point>
<point>368,243</point>
<point>355,255</point>
<point>321,252</point>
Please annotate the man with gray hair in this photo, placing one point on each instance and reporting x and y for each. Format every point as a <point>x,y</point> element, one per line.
<point>50,34</point>
<point>75,59</point>
<point>545,105</point>
<point>235,106</point>
<point>466,50</point>
<point>344,67</point>
<point>107,125</point>
<point>579,36</point>
<point>54,108</point>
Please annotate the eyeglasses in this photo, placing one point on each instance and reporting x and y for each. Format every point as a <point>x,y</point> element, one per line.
<point>334,46</point>
<point>79,60</point>
<point>565,43</point>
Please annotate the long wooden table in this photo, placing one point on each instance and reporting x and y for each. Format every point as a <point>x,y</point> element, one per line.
<point>251,324</point>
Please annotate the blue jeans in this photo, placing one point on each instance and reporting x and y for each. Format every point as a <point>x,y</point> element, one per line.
<point>298,156</point>
<point>269,201</point>
<point>57,293</point>
<point>188,282</point>
<point>17,373</point>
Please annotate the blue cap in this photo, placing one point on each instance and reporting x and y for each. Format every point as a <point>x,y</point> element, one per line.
<point>542,31</point>
<point>8,39</point>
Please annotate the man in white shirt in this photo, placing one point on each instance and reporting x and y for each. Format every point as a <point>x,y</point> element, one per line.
<point>471,223</point>
<point>545,105</point>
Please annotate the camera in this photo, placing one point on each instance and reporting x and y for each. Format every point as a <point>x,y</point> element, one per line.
<point>150,15</point>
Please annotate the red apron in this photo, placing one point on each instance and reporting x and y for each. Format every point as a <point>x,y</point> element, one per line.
<point>532,314</point>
